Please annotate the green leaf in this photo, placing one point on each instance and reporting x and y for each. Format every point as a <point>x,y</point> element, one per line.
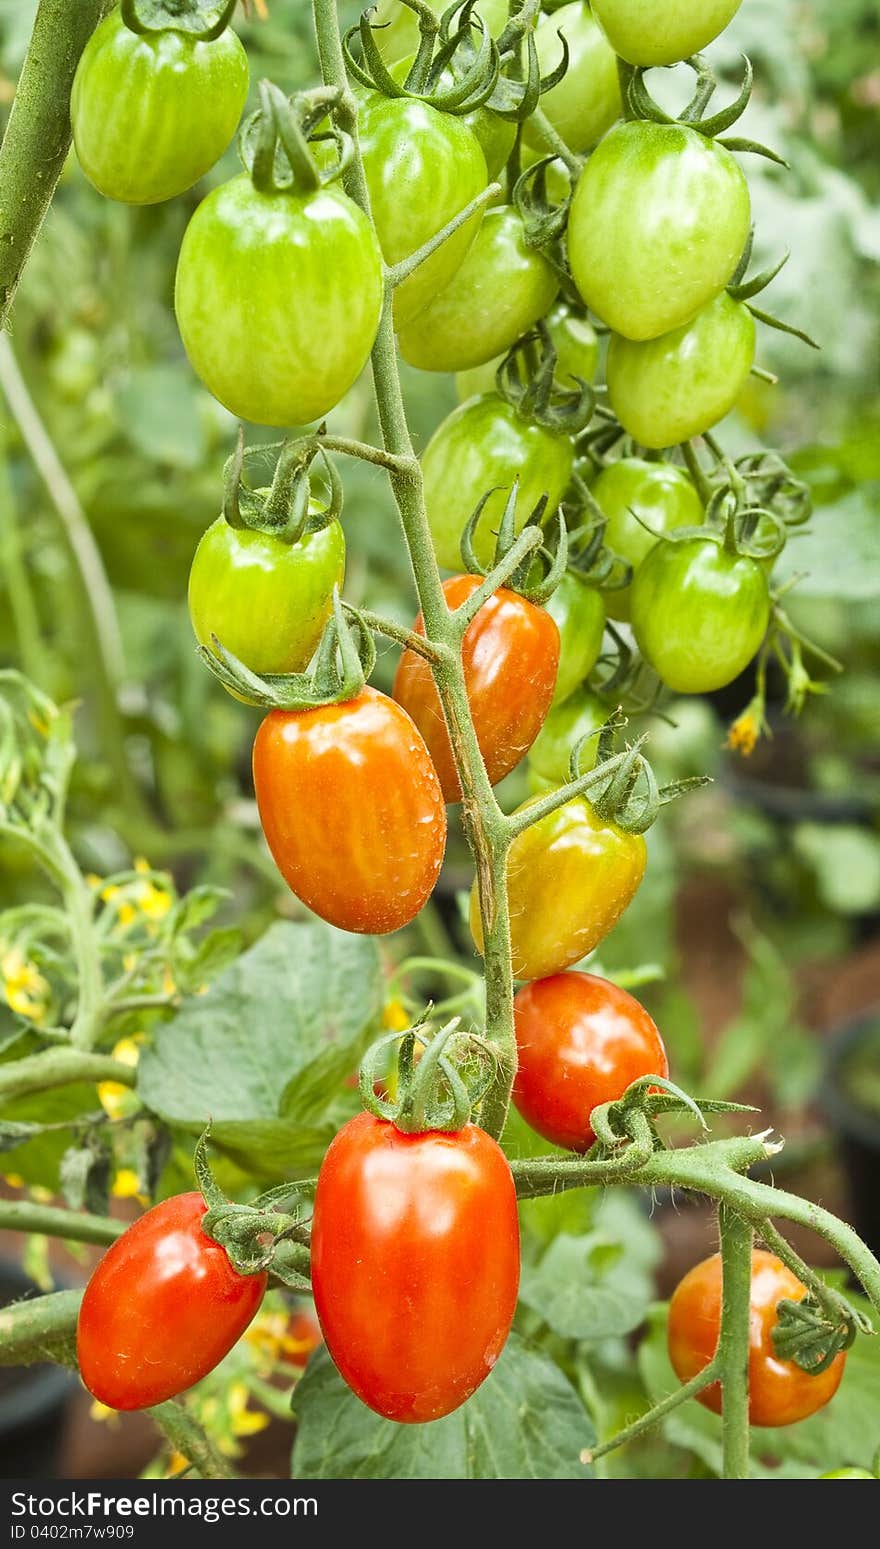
<point>264,1049</point>
<point>598,1285</point>
<point>845,1431</point>
<point>13,1133</point>
<point>845,860</point>
<point>197,906</point>
<point>195,964</point>
<point>525,1422</point>
<point>836,556</point>
<point>159,411</point>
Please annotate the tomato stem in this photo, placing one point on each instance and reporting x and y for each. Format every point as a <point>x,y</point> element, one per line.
<point>398,272</point>
<point>733,1344</point>
<point>655,1414</point>
<point>484,822</point>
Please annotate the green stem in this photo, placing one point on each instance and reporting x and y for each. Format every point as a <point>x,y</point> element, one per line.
<point>80,901</point>
<point>60,1067</point>
<point>549,141</point>
<point>37,136</point>
<point>22,606</point>
<point>407,266</point>
<point>25,1216</point>
<point>656,1413</point>
<point>733,1342</point>
<point>186,1436</point>
<point>697,472</point>
<point>484,823</point>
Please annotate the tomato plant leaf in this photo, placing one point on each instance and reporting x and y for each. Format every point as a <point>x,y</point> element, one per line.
<point>263,1050</point>
<point>597,1285</point>
<point>525,1422</point>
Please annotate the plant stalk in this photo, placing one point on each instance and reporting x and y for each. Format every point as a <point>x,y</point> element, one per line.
<point>733,1344</point>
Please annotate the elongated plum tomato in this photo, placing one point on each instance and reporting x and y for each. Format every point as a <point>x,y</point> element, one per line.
<point>579,716</point>
<point>422,168</point>
<point>352,810</point>
<point>658,223</point>
<point>580,1042</point>
<point>278,298</point>
<point>645,33</point>
<point>586,101</point>
<point>162,1309</point>
<point>415,1263</point>
<point>632,492</point>
<point>569,878</point>
<point>151,113</point>
<point>501,289</point>
<point>579,614</point>
<point>577,354</point>
<point>780,1392</point>
<point>265,599</point>
<point>699,613</point>
<point>486,445</point>
<point>678,386</point>
<point>510,654</point>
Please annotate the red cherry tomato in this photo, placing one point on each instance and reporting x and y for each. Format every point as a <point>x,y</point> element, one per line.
<point>352,810</point>
<point>162,1309</point>
<point>580,1043</point>
<point>415,1263</point>
<point>780,1392</point>
<point>510,655</point>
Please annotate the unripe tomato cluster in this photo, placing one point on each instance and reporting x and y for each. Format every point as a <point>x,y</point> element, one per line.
<point>280,290</point>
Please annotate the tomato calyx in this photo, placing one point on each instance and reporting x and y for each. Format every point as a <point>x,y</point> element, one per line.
<point>343,662</point>
<point>523,562</point>
<point>252,1234</point>
<point>526,380</point>
<point>639,104</point>
<point>274,141</point>
<point>437,1089</point>
<point>185,16</point>
<point>812,1335</point>
<point>286,507</point>
<point>622,787</point>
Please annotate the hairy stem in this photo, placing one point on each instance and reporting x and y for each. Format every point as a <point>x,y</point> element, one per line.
<point>26,1216</point>
<point>484,822</point>
<point>60,1066</point>
<point>655,1414</point>
<point>733,1343</point>
<point>37,136</point>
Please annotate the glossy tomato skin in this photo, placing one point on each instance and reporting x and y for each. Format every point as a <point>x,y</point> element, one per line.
<point>501,289</point>
<point>415,1264</point>
<point>678,386</point>
<point>278,298</point>
<point>580,715</point>
<point>569,878</point>
<point>579,612</point>
<point>577,355</point>
<point>485,445</point>
<point>699,613</point>
<point>510,654</point>
<point>586,101</point>
<point>580,1042</point>
<point>645,33</point>
<point>352,810</point>
<point>780,1393</point>
<point>151,114</point>
<point>633,491</point>
<point>162,1309</point>
<point>422,168</point>
<point>495,134</point>
<point>658,223</point>
<point>266,600</point>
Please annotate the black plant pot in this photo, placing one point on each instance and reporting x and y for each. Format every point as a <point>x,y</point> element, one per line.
<point>856,1125</point>
<point>32,1401</point>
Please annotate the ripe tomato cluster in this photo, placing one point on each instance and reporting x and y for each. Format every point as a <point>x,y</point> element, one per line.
<point>282,284</point>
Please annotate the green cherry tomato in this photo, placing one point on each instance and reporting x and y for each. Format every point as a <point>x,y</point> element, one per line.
<point>582,714</point>
<point>699,613</point>
<point>587,100</point>
<point>569,878</point>
<point>667,389</point>
<point>658,223</point>
<point>645,33</point>
<point>485,445</point>
<point>495,134</point>
<point>278,299</point>
<point>266,600</point>
<point>151,114</point>
<point>577,354</point>
<point>501,289</point>
<point>422,168</point>
<point>579,612</point>
<point>633,491</point>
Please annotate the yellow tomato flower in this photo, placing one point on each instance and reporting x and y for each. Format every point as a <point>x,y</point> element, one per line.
<point>127,1185</point>
<point>26,990</point>
<point>395,1016</point>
